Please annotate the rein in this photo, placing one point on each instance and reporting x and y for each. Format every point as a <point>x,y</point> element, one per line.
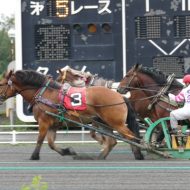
<point>158,96</point>
<point>109,105</point>
<point>162,91</point>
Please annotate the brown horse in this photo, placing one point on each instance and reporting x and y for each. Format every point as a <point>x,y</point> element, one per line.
<point>43,94</point>
<point>81,79</point>
<point>148,89</point>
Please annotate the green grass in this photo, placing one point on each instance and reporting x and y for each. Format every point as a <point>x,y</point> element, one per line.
<point>36,184</point>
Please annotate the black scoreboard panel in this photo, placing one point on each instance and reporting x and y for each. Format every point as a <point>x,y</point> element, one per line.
<point>108,36</point>
<point>158,35</point>
<point>56,33</point>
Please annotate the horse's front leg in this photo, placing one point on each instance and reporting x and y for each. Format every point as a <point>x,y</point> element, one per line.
<point>108,145</point>
<point>51,136</point>
<point>99,138</point>
<point>41,136</point>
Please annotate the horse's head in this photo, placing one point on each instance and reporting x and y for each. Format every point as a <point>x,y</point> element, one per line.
<point>74,77</point>
<point>14,83</point>
<point>6,86</point>
<point>131,80</point>
<point>149,80</point>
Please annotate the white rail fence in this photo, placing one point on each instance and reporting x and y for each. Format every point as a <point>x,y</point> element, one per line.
<point>13,134</point>
<point>17,135</point>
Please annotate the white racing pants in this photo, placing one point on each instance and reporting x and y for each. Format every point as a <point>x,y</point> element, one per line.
<point>179,114</point>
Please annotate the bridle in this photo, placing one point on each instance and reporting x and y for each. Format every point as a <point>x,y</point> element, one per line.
<point>130,80</point>
<point>3,93</point>
<point>9,84</point>
<point>128,86</point>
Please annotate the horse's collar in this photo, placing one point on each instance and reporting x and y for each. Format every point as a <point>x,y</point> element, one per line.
<point>37,95</point>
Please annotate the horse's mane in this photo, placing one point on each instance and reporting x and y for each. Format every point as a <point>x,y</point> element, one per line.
<point>30,77</point>
<point>159,76</point>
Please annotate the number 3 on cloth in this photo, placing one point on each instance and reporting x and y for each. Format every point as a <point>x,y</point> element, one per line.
<point>76,99</point>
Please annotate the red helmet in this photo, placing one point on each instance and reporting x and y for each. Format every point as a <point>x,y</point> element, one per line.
<point>186,79</point>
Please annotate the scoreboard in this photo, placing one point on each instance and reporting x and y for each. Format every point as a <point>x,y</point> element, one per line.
<point>51,34</point>
<point>158,35</point>
<point>107,36</point>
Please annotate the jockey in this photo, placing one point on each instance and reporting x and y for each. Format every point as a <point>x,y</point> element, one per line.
<point>184,112</point>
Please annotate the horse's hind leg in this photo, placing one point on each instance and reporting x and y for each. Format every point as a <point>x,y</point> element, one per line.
<point>51,136</point>
<point>137,153</point>
<point>125,132</point>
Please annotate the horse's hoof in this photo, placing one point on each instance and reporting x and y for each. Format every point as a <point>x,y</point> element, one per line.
<point>139,157</point>
<point>100,158</point>
<point>34,158</point>
<point>72,151</point>
<point>68,151</point>
<point>83,157</point>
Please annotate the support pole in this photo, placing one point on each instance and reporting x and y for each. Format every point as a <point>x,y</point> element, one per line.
<point>147,147</point>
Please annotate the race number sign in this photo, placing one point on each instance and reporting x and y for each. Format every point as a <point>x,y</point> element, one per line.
<point>74,99</point>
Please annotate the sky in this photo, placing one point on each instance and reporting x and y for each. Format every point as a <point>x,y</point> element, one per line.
<point>7,7</point>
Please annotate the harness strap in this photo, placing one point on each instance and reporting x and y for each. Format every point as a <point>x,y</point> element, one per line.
<point>162,90</point>
<point>44,88</point>
<point>47,102</point>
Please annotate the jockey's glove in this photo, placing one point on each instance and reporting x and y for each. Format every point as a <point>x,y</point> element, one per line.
<point>171,97</point>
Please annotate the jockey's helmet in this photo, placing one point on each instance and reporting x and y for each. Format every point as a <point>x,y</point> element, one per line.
<point>186,79</point>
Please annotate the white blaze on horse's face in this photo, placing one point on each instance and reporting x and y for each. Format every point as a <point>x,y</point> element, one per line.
<point>127,95</point>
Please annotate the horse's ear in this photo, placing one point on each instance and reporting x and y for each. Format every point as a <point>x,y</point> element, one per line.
<point>10,73</point>
<point>60,71</point>
<point>140,66</point>
<point>135,67</point>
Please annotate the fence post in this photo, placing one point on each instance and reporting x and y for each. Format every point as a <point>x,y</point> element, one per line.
<point>13,137</point>
<point>82,135</point>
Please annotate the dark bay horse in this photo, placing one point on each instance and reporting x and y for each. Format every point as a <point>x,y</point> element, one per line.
<point>146,90</point>
<point>43,94</point>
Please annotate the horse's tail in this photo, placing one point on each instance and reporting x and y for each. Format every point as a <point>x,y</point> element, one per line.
<point>134,127</point>
<point>132,119</point>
